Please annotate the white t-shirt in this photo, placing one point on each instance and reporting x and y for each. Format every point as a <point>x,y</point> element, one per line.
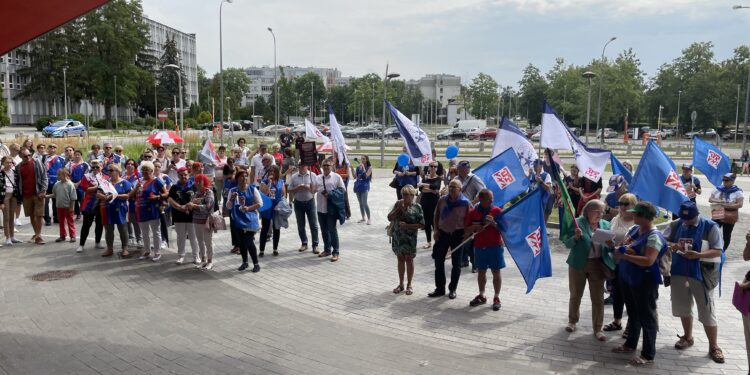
<point>718,195</point>
<point>332,181</point>
<point>257,162</point>
<point>172,172</point>
<point>620,227</point>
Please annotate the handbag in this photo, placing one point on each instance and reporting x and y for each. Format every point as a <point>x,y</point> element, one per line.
<point>216,222</point>
<point>394,183</point>
<point>725,215</point>
<point>741,299</point>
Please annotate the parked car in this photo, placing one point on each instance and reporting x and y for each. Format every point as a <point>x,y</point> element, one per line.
<point>272,130</point>
<point>729,136</point>
<point>538,136</point>
<point>64,129</point>
<point>246,124</point>
<point>483,134</point>
<point>608,133</point>
<point>352,123</point>
<point>234,126</point>
<point>366,132</point>
<point>299,129</point>
<point>455,133</point>
<point>392,132</point>
<point>641,130</point>
<point>708,133</point>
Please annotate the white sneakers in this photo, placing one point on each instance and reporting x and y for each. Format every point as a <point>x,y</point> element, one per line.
<point>156,257</point>
<point>99,246</point>
<point>18,223</point>
<point>163,245</point>
<point>79,249</point>
<point>8,242</point>
<point>208,266</point>
<point>197,260</point>
<point>180,260</point>
<point>139,244</point>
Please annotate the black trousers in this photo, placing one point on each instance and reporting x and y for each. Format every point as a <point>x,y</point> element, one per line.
<point>439,251</point>
<point>726,230</point>
<point>91,217</point>
<point>265,226</point>
<point>247,244</point>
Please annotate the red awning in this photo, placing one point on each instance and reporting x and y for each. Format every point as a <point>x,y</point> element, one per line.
<point>27,19</point>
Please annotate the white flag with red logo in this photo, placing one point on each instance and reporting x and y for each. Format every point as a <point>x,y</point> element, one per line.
<point>209,151</point>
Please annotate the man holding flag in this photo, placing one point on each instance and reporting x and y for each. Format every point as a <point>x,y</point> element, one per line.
<point>488,246</point>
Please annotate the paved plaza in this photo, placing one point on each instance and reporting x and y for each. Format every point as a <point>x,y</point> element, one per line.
<point>303,314</point>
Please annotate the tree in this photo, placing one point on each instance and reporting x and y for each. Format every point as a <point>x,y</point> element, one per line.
<point>306,85</point>
<point>113,35</point>
<point>482,94</point>
<point>169,78</point>
<point>4,120</point>
<point>236,84</point>
<point>533,89</point>
<point>204,117</point>
<point>205,93</point>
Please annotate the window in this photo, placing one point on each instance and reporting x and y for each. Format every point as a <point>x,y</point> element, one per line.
<point>441,90</point>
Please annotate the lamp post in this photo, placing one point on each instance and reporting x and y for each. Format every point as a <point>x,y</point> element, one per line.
<point>387,78</point>
<point>231,127</point>
<point>737,115</point>
<point>588,75</point>
<point>221,75</point>
<point>601,77</point>
<point>658,121</point>
<point>679,96</point>
<point>275,84</point>
<point>747,96</point>
<point>116,101</point>
<point>179,83</point>
<point>372,101</point>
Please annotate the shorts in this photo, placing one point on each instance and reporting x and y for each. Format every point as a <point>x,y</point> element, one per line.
<point>684,291</point>
<point>33,206</point>
<point>548,207</point>
<point>489,257</point>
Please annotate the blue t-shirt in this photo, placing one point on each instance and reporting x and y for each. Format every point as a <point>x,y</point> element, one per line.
<point>146,209</point>
<point>363,182</point>
<point>109,160</point>
<point>116,211</point>
<point>53,165</point>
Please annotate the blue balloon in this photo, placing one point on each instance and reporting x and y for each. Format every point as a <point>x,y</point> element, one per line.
<point>451,151</point>
<point>403,160</point>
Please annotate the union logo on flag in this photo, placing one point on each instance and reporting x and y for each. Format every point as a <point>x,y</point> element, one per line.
<point>673,182</point>
<point>503,177</point>
<point>592,173</point>
<point>534,239</point>
<point>426,158</point>
<point>713,158</point>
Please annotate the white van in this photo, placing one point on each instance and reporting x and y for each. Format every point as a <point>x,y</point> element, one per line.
<point>470,124</point>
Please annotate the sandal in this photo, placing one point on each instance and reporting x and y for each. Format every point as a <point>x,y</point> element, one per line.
<point>571,327</point>
<point>427,246</point>
<point>683,343</point>
<point>640,361</point>
<point>409,290</point>
<point>622,349</point>
<point>716,355</point>
<point>612,327</point>
<point>398,289</point>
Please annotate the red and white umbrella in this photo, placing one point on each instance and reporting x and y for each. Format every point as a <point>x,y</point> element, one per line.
<point>328,147</point>
<point>163,137</point>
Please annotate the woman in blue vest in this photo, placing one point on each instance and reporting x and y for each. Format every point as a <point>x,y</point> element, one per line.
<point>363,174</point>
<point>243,202</point>
<point>638,270</point>
<point>273,187</point>
<point>730,197</point>
<point>115,211</point>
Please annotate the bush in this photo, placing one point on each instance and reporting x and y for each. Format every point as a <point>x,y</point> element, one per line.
<point>80,117</point>
<point>139,122</point>
<point>43,121</point>
<point>190,123</point>
<point>121,124</point>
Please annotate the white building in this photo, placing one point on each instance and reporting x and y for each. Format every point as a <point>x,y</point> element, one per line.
<point>439,87</point>
<point>26,111</point>
<point>261,79</point>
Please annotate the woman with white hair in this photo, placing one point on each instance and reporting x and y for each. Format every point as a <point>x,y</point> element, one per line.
<point>148,193</point>
<point>586,262</point>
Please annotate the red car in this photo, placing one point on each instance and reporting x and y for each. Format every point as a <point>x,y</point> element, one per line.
<point>483,134</point>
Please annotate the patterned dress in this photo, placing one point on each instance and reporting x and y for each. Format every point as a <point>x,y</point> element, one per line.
<point>404,241</point>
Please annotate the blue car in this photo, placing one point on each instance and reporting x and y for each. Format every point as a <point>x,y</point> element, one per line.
<point>64,129</point>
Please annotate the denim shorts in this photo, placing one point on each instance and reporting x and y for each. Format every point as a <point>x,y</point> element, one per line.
<point>489,257</point>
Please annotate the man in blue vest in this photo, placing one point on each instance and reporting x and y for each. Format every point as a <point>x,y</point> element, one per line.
<point>695,243</point>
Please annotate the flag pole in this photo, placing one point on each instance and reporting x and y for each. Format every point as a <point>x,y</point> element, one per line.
<point>452,250</point>
<point>562,186</point>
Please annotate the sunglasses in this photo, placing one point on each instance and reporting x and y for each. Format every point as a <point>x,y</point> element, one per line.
<point>326,166</point>
<point>111,170</point>
<point>107,148</point>
<point>147,156</point>
<point>96,167</point>
<point>623,203</point>
<point>52,147</point>
<point>433,166</point>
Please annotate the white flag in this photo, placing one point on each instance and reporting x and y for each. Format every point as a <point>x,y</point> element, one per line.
<point>311,132</point>
<point>510,136</point>
<point>554,131</point>
<point>416,140</point>
<point>339,144</point>
<point>209,151</point>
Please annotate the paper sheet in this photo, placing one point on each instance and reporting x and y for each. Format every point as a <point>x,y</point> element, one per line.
<point>602,236</point>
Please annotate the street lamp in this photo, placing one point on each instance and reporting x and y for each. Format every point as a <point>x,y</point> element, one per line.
<point>275,85</point>
<point>65,91</point>
<point>116,102</point>
<point>679,96</point>
<point>658,121</point>
<point>179,83</point>
<point>387,78</point>
<point>601,77</point>
<point>747,96</point>
<point>231,127</point>
<point>372,101</point>
<point>588,75</point>
<point>221,76</point>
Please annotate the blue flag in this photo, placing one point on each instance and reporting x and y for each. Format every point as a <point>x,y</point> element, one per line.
<point>504,175</point>
<point>708,159</point>
<point>618,168</point>
<point>525,236</point>
<point>657,181</point>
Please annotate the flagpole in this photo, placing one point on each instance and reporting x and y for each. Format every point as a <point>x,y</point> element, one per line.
<point>451,251</point>
<point>562,186</point>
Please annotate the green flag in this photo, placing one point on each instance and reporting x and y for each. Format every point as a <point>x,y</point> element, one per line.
<point>567,221</point>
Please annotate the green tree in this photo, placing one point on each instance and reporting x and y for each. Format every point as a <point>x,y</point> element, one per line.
<point>236,84</point>
<point>205,94</point>
<point>169,78</point>
<point>482,94</point>
<point>4,119</point>
<point>533,90</point>
<point>204,117</point>
<point>306,85</point>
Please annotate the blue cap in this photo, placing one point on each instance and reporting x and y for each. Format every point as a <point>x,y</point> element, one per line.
<point>688,210</point>
<point>464,163</point>
<point>730,176</point>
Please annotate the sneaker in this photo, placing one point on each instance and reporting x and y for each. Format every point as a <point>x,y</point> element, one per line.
<point>199,266</point>
<point>164,245</point>
<point>275,253</point>
<point>131,242</point>
<point>208,266</point>
<point>180,260</point>
<point>302,248</point>
<point>260,254</point>
<point>99,245</point>
<point>72,239</point>
<point>496,304</point>
<point>369,222</point>
<point>478,300</point>
<point>18,223</point>
<point>144,256</point>
<point>156,257</point>
<point>197,260</point>
<point>14,240</point>
<point>243,267</point>
<point>60,239</point>
<point>79,249</point>
<point>256,268</point>
<point>9,243</point>
<point>139,244</point>
<point>315,250</point>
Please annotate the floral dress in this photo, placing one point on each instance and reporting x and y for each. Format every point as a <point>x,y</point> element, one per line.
<point>404,241</point>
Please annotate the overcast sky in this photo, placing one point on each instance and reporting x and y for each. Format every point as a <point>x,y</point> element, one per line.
<point>461,37</point>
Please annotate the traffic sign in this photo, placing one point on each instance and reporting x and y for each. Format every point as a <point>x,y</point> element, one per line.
<point>693,116</point>
<point>162,115</point>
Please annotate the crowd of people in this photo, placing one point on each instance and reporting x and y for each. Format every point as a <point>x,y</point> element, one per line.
<point>141,198</point>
